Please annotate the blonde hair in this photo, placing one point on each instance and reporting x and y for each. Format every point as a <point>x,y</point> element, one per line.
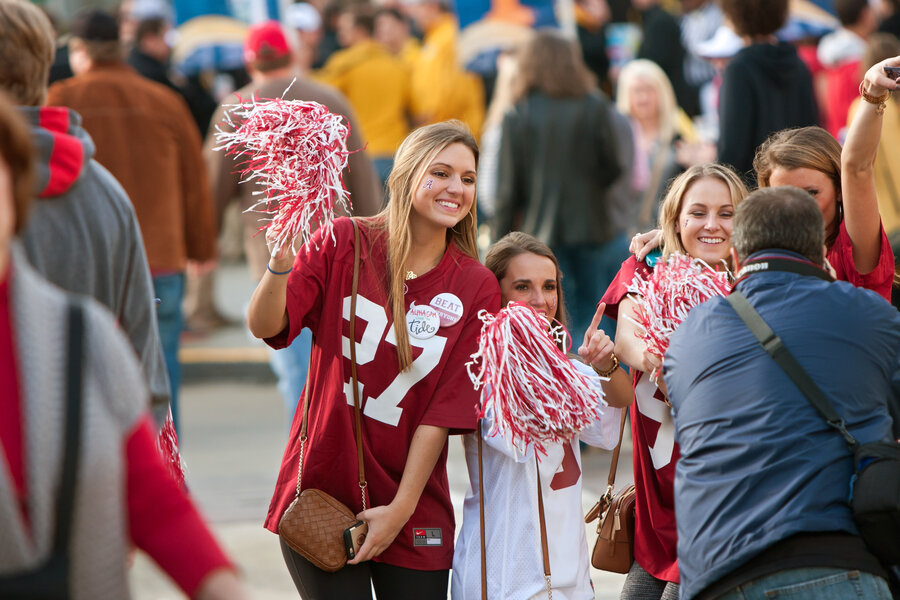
<point>416,152</point>
<point>27,42</point>
<point>651,72</point>
<point>671,205</point>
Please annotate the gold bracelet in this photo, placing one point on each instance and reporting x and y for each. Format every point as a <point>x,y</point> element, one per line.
<point>609,371</point>
<point>879,101</point>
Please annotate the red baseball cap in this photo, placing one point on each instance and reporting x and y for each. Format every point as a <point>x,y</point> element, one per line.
<point>265,41</point>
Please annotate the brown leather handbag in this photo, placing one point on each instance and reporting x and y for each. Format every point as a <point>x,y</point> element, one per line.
<point>313,525</point>
<point>614,548</point>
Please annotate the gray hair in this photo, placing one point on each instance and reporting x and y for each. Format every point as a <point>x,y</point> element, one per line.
<point>779,218</point>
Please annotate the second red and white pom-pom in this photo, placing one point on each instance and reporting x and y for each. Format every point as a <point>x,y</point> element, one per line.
<point>534,392</point>
<point>665,297</point>
<point>168,449</point>
<point>297,152</point>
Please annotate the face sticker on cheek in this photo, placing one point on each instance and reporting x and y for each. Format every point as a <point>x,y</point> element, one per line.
<point>428,184</point>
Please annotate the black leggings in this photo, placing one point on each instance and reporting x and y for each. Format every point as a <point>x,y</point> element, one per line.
<point>355,582</point>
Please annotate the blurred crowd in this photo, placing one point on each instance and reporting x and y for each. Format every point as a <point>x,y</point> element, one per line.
<point>581,131</point>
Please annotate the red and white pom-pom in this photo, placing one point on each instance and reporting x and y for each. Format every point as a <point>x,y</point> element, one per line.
<point>534,392</point>
<point>168,449</point>
<point>297,152</point>
<point>665,296</point>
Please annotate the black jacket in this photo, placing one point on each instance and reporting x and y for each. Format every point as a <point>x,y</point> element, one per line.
<point>557,159</point>
<point>765,88</point>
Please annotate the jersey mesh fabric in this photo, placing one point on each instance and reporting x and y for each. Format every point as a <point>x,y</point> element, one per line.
<point>435,390</point>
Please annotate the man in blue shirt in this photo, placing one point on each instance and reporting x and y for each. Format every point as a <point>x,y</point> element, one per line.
<point>762,485</point>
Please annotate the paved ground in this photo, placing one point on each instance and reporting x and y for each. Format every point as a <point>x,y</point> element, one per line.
<point>233,435</point>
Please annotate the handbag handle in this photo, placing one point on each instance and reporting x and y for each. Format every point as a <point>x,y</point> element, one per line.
<point>545,552</point>
<point>359,453</point>
<point>773,345</point>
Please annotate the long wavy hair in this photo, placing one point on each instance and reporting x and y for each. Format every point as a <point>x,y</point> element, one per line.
<point>804,148</point>
<point>413,157</point>
<point>648,70</point>
<point>552,65</point>
<point>671,205</point>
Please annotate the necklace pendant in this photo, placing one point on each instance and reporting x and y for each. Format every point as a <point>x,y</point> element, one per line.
<point>410,275</point>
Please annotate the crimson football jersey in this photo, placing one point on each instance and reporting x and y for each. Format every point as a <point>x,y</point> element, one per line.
<point>879,280</point>
<point>655,454</point>
<point>435,390</point>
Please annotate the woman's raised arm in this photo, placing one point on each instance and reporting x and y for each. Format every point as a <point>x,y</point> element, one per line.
<point>860,202</point>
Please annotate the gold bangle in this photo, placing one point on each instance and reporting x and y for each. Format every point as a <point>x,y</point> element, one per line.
<point>609,371</point>
<point>879,101</point>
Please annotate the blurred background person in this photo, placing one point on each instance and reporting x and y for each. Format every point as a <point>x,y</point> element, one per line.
<point>393,30</point>
<point>375,82</point>
<point>646,98</point>
<point>306,21</point>
<point>840,54</point>
<point>83,479</point>
<point>440,88</point>
<point>765,88</point>
<point>273,65</point>
<point>557,160</point>
<point>661,43</point>
<point>84,235</point>
<point>166,181</point>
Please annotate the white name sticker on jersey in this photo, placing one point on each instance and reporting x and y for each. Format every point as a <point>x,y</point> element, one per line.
<point>385,407</point>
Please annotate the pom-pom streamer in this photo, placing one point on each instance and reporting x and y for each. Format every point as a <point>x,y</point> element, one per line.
<point>535,394</point>
<point>296,151</point>
<point>168,449</point>
<point>664,298</point>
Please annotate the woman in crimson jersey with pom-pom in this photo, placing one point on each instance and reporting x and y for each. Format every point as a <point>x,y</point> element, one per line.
<point>529,273</point>
<point>695,219</point>
<point>412,381</point>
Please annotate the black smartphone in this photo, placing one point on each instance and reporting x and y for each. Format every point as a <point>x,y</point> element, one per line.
<point>354,536</point>
<point>892,72</point>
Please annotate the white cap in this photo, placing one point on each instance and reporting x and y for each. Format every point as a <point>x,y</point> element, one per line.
<point>724,43</point>
<point>304,17</point>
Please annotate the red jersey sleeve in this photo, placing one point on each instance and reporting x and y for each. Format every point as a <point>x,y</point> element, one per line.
<point>618,289</point>
<point>162,520</point>
<point>879,280</point>
<point>454,402</point>
<point>309,278</point>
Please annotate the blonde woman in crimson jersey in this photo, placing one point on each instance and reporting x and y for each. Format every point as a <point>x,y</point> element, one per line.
<point>695,219</point>
<point>414,389</point>
<point>528,272</point>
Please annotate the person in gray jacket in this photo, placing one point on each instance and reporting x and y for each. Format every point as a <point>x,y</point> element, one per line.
<point>83,234</point>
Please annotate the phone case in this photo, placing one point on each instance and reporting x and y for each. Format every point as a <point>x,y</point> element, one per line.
<point>354,536</point>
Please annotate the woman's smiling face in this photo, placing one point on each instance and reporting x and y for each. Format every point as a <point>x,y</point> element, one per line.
<point>531,279</point>
<point>447,190</point>
<point>705,220</point>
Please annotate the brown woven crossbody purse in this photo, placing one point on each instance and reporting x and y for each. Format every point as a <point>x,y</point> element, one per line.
<point>314,524</point>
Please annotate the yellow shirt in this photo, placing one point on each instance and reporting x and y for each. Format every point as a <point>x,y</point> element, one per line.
<point>887,165</point>
<point>441,89</point>
<point>377,86</point>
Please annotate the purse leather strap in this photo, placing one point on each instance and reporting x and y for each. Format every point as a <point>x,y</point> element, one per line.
<point>773,345</point>
<point>545,552</point>
<point>614,464</point>
<point>303,427</point>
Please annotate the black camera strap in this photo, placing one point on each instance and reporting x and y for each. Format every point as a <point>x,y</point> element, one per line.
<point>773,345</point>
<point>761,264</point>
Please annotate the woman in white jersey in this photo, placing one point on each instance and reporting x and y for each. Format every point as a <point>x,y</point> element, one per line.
<point>528,272</point>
